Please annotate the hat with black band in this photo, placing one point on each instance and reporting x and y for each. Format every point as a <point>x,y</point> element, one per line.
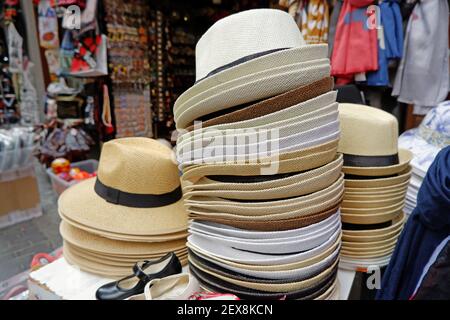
<point>137,182</point>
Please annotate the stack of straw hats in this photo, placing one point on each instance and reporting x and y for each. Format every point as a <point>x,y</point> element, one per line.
<point>377,175</point>
<point>262,178</point>
<point>132,211</point>
<point>425,142</point>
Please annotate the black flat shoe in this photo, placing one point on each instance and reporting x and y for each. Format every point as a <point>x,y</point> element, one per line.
<point>144,272</point>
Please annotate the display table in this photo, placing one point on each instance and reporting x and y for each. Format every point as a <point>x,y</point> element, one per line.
<point>62,281</point>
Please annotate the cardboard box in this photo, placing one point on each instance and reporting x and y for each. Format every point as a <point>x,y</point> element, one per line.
<point>18,191</point>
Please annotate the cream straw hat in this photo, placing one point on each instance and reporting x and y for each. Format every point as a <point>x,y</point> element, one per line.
<point>369,142</point>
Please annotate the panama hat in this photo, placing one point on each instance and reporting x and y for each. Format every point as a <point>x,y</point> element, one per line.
<point>282,44</point>
<point>266,207</point>
<point>299,273</point>
<point>349,245</point>
<point>276,267</point>
<point>273,104</point>
<point>260,182</point>
<point>294,161</point>
<point>368,254</point>
<point>401,187</point>
<point>125,237</point>
<point>101,269</point>
<point>99,244</point>
<point>372,204</point>
<point>372,238</point>
<point>275,246</point>
<point>114,260</point>
<point>238,91</point>
<point>271,225</point>
<point>362,218</point>
<point>268,216</point>
<point>361,264</point>
<point>137,182</point>
<point>378,182</point>
<point>367,211</point>
<point>369,142</point>
<point>313,180</point>
<point>365,197</point>
<point>227,231</point>
<point>312,291</point>
<point>267,286</point>
<point>266,149</point>
<point>238,256</point>
<point>295,113</point>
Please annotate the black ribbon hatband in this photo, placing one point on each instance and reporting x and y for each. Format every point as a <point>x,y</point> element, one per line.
<point>351,160</point>
<point>136,200</point>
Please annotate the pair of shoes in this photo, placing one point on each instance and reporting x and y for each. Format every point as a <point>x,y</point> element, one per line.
<point>143,273</point>
<point>175,287</point>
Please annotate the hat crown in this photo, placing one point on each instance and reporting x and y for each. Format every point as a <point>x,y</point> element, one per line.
<point>244,34</point>
<point>367,131</point>
<point>139,166</point>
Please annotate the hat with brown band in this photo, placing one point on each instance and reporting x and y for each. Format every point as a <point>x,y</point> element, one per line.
<point>137,182</point>
<point>271,105</point>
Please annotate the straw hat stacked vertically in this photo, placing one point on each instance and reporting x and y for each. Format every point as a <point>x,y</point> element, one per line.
<point>133,210</point>
<point>377,174</point>
<point>262,177</point>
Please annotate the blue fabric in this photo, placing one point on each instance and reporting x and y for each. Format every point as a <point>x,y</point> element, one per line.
<point>391,20</point>
<point>428,225</point>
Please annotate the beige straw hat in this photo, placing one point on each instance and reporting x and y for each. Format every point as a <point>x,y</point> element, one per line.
<point>379,182</point>
<point>372,204</point>
<point>401,187</point>
<point>371,254</point>
<point>273,104</point>
<point>365,197</point>
<point>295,161</point>
<point>125,237</point>
<point>216,63</point>
<point>372,238</point>
<point>396,223</point>
<point>265,207</point>
<point>91,242</point>
<point>367,211</point>
<point>312,181</point>
<point>349,245</point>
<point>137,183</point>
<point>369,142</point>
<point>371,218</point>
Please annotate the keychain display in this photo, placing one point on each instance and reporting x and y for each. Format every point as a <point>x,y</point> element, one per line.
<point>129,66</point>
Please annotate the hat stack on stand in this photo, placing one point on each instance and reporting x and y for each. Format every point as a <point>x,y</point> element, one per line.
<point>132,211</point>
<point>425,142</point>
<point>377,175</point>
<point>262,178</point>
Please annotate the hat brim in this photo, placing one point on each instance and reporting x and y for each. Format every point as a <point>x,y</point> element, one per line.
<point>275,59</point>
<point>380,182</point>
<point>401,187</point>
<point>366,197</point>
<point>310,184</point>
<point>294,161</point>
<point>263,85</point>
<point>373,204</point>
<point>277,267</point>
<point>92,242</point>
<point>397,223</point>
<point>361,264</point>
<point>266,207</point>
<point>371,218</point>
<point>126,237</point>
<point>372,211</point>
<point>81,203</point>
<point>404,155</point>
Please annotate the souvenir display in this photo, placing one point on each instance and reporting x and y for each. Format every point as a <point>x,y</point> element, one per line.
<point>147,195</point>
<point>425,142</point>
<point>129,66</point>
<point>260,231</point>
<point>377,175</point>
